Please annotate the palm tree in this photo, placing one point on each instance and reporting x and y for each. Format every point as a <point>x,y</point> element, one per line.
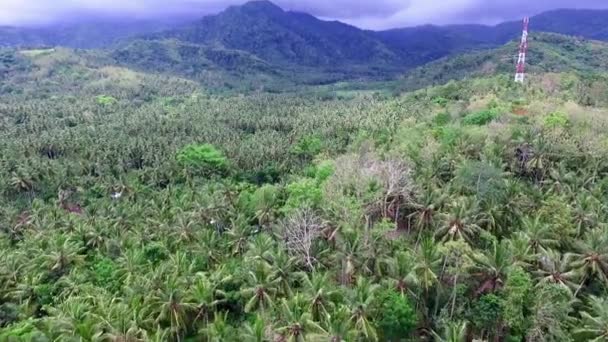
<point>296,320</point>
<point>402,274</point>
<point>337,327</point>
<point>594,325</point>
<point>283,266</point>
<point>557,268</point>
<point>205,295</point>
<point>492,266</point>
<point>319,288</point>
<point>462,222</point>
<point>262,287</point>
<point>592,257</point>
<point>426,208</point>
<point>219,330</point>
<point>64,254</point>
<point>255,332</point>
<point>539,234</point>
<point>361,299</point>
<point>168,306</point>
<point>427,264</point>
<point>452,332</point>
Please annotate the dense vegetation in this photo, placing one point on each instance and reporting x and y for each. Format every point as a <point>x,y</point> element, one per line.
<point>168,189</point>
<point>141,207</point>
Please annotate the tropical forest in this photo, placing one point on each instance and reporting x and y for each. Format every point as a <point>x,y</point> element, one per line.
<point>261,175</point>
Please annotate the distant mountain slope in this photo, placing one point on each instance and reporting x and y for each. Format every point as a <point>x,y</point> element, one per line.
<point>86,35</point>
<point>259,43</point>
<point>548,52</point>
<point>432,42</point>
<point>265,30</point>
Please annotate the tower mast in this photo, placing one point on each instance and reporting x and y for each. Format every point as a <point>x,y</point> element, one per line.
<point>520,73</point>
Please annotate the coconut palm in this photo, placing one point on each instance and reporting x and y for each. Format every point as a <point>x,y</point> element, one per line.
<point>319,288</point>
<point>360,300</point>
<point>594,325</point>
<point>491,266</point>
<point>557,268</point>
<point>462,221</point>
<point>540,235</point>
<point>337,327</point>
<point>452,332</point>
<point>296,321</point>
<point>256,331</point>
<point>261,288</point>
<point>591,258</point>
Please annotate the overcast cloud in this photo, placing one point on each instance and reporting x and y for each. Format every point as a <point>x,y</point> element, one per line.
<point>373,14</point>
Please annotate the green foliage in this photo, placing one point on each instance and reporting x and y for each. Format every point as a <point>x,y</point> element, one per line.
<point>486,312</point>
<point>397,316</point>
<point>308,147</point>
<point>105,100</point>
<point>204,158</point>
<point>478,231</point>
<point>442,119</point>
<point>556,119</point>
<point>517,299</point>
<point>481,118</point>
<point>303,193</point>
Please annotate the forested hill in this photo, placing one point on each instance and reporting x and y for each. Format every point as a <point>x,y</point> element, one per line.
<point>432,42</point>
<point>283,38</point>
<point>548,53</point>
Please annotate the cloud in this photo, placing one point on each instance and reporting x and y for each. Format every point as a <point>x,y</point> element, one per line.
<point>377,14</point>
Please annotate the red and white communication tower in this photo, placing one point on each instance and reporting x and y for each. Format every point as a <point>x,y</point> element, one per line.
<point>520,73</point>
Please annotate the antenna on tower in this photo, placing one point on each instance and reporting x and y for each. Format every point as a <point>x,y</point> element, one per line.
<point>520,73</point>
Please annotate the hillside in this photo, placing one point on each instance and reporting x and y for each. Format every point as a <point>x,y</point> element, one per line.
<point>93,33</point>
<point>294,45</point>
<point>287,38</point>
<point>548,53</point>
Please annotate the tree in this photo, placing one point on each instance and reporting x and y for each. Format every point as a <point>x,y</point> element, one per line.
<point>517,294</point>
<point>255,331</point>
<point>452,332</point>
<point>296,322</point>
<point>594,320</point>
<point>398,318</point>
<point>556,268</point>
<point>319,288</point>
<point>550,314</point>
<point>337,327</point>
<point>300,231</point>
<point>261,289</point>
<point>205,159</point>
<point>592,257</point>
<point>492,265</point>
<point>462,222</point>
<point>539,234</point>
<point>361,300</point>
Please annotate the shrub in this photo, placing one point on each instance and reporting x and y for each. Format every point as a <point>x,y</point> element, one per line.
<point>481,118</point>
<point>397,316</point>
<point>203,158</point>
<point>556,119</point>
<point>105,100</point>
<point>442,119</point>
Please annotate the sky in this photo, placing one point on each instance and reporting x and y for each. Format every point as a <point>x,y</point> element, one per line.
<point>370,14</point>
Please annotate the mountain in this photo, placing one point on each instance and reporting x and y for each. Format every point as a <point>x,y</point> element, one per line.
<point>432,42</point>
<point>259,42</point>
<point>96,33</point>
<point>288,38</point>
<point>548,53</point>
